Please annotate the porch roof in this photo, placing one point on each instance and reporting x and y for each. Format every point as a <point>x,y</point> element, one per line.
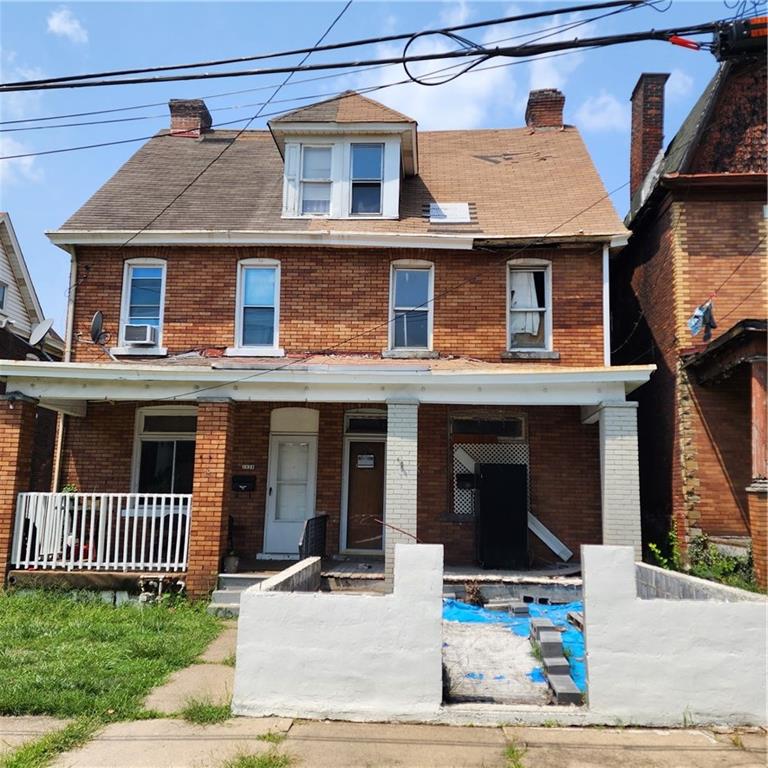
<point>68,386</point>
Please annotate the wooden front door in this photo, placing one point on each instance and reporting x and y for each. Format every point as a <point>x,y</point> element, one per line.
<point>365,495</point>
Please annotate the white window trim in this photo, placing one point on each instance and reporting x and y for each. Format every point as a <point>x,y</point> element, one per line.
<point>302,181</point>
<point>430,306</point>
<point>3,295</point>
<point>127,349</point>
<point>139,436</point>
<point>380,180</point>
<point>273,350</point>
<point>341,181</point>
<point>547,269</point>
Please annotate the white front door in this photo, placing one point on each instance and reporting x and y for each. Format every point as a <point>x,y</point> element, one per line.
<point>290,491</point>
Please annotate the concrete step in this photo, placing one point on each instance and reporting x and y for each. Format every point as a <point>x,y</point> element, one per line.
<point>224,610</point>
<point>226,596</point>
<point>238,581</point>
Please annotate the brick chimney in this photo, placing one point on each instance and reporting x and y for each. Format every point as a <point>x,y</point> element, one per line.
<point>189,117</point>
<point>647,126</point>
<point>545,109</point>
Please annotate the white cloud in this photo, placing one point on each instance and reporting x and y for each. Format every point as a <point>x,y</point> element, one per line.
<point>549,70</point>
<point>454,13</point>
<point>603,112</point>
<point>18,169</point>
<point>20,104</point>
<point>679,84</point>
<point>470,101</point>
<point>63,23</point>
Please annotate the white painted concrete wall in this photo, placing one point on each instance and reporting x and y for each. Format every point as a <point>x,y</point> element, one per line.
<point>668,662</point>
<point>304,576</point>
<point>349,656</point>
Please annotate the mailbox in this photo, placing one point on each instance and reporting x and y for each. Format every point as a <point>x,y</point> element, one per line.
<point>243,483</point>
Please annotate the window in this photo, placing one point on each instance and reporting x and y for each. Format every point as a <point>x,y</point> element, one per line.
<point>165,450</point>
<point>342,177</point>
<point>143,300</point>
<point>411,307</point>
<point>3,289</point>
<point>367,177</point>
<point>258,307</point>
<point>529,323</point>
<point>507,427</point>
<point>316,180</point>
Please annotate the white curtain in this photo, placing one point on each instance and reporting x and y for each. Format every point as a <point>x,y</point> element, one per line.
<point>523,294</point>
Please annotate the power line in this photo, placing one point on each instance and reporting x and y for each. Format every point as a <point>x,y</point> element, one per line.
<point>745,299</point>
<point>337,94</point>
<point>451,289</point>
<point>555,29</point>
<point>237,136</point>
<point>330,47</point>
<point>485,53</point>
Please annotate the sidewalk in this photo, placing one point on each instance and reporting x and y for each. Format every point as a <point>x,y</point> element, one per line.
<point>176,744</point>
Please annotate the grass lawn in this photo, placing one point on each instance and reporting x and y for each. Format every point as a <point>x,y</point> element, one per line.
<point>71,655</point>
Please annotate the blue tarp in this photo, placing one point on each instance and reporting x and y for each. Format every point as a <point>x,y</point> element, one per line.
<point>573,639</point>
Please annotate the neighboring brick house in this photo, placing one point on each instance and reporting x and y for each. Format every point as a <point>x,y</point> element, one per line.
<point>698,222</point>
<point>20,316</point>
<point>346,316</point>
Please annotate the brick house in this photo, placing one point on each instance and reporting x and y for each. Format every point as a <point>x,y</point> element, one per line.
<point>400,332</point>
<point>698,232</point>
<point>21,316</point>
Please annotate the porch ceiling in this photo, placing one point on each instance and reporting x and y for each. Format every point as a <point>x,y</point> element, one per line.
<point>59,385</point>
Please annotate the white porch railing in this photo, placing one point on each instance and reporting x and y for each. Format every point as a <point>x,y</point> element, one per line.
<point>102,531</point>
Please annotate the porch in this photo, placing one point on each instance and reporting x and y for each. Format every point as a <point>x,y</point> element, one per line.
<point>175,487</point>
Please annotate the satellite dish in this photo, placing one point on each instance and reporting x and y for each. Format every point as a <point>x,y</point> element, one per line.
<point>40,331</point>
<point>97,327</point>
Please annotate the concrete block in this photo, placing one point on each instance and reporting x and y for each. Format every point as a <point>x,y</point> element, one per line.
<point>519,609</point>
<point>551,643</point>
<point>564,689</point>
<point>556,665</point>
<point>539,624</point>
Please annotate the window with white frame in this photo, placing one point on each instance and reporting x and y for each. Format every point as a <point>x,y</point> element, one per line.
<point>529,301</point>
<point>316,180</point>
<point>342,178</point>
<point>258,306</point>
<point>367,176</point>
<point>3,291</point>
<point>165,450</point>
<point>411,307</point>
<point>143,302</point>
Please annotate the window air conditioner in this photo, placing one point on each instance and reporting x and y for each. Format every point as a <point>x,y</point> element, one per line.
<point>140,335</point>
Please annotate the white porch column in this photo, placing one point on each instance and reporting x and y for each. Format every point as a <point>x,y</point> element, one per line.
<point>400,482</point>
<point>620,474</point>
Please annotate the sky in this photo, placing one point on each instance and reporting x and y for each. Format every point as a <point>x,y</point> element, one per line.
<point>39,39</point>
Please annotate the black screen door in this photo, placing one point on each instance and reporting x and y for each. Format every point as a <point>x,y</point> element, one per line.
<point>502,515</point>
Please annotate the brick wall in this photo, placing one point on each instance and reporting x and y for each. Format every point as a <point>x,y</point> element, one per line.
<point>564,461</point>
<point>17,426</point>
<point>211,495</point>
<point>330,295</point>
<point>757,503</point>
<point>695,441</point>
<point>564,471</point>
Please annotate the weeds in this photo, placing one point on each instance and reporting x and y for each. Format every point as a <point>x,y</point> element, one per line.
<point>706,561</point>
<point>229,661</point>
<point>269,759</point>
<point>205,712</point>
<point>42,751</point>
<point>737,741</point>
<point>273,737</point>
<point>514,754</point>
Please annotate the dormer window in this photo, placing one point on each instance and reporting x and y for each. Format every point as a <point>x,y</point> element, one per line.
<point>342,177</point>
<point>367,178</point>
<point>316,180</point>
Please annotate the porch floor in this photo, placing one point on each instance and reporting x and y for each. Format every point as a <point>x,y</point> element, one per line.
<point>372,569</point>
